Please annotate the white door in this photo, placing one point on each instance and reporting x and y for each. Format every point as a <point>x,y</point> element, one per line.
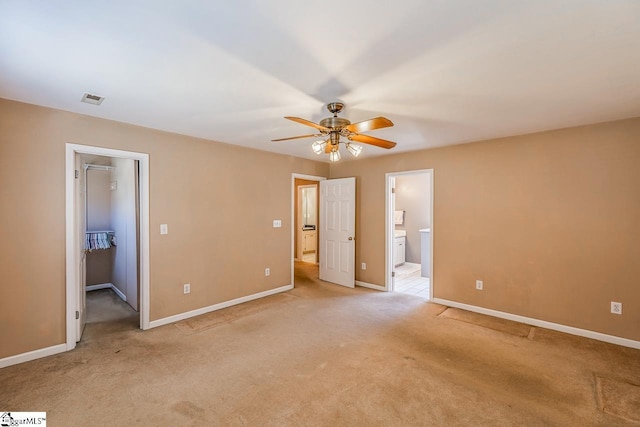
<point>337,231</point>
<point>81,216</point>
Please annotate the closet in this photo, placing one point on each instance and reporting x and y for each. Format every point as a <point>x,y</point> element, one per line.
<point>112,222</point>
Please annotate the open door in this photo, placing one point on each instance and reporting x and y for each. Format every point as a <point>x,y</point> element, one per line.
<point>337,231</point>
<point>80,184</point>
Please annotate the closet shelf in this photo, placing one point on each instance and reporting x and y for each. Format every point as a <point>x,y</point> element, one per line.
<point>100,239</point>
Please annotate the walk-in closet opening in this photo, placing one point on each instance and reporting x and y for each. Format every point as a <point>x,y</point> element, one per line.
<point>112,239</point>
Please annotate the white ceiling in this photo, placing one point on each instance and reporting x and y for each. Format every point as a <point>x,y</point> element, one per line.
<point>445,72</point>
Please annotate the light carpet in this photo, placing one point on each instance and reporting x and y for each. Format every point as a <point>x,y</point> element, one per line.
<point>330,356</point>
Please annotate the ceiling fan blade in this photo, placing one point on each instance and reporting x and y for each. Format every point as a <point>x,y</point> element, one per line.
<point>296,137</point>
<point>308,123</point>
<point>366,139</point>
<point>371,124</point>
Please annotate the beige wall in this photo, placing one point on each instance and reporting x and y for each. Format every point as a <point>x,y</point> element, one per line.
<point>98,199</point>
<point>550,222</point>
<point>214,196</point>
<point>99,267</point>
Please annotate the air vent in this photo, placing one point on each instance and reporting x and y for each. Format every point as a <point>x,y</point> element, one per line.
<point>92,99</point>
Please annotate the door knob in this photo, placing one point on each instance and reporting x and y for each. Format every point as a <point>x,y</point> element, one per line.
<point>350,238</point>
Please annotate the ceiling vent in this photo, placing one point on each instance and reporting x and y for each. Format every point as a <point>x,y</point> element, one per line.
<point>92,99</point>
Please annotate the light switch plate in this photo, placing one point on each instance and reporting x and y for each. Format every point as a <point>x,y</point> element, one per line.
<point>164,229</point>
<point>277,223</point>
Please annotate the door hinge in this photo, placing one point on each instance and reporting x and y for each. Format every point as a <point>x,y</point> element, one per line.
<point>77,315</point>
<point>393,189</point>
<point>77,174</point>
<point>393,274</point>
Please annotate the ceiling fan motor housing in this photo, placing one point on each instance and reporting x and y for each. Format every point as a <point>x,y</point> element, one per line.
<point>335,107</point>
<point>334,122</point>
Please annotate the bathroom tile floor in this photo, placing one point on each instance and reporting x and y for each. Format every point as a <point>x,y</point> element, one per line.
<point>412,284</point>
<point>407,269</point>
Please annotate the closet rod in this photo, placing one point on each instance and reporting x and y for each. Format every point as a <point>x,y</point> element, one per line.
<point>99,167</point>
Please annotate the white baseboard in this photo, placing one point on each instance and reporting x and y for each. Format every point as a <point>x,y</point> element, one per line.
<point>98,287</point>
<point>219,306</point>
<point>370,286</point>
<point>32,355</point>
<point>118,292</point>
<point>612,339</point>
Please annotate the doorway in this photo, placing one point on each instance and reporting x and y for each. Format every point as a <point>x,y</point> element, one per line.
<point>409,233</point>
<point>111,213</point>
<point>306,221</point>
<point>136,290</point>
<point>305,211</point>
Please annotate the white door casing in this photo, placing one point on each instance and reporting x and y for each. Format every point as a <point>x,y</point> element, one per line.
<point>73,241</point>
<point>80,184</point>
<point>392,208</point>
<point>337,231</point>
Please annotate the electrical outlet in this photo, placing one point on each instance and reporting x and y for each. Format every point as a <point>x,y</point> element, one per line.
<point>616,307</point>
<point>364,265</point>
<point>479,285</point>
<point>267,271</point>
<point>187,288</point>
<point>277,223</point>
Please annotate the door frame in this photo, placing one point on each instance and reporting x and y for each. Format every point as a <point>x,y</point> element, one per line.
<point>72,242</point>
<point>295,176</point>
<point>389,227</point>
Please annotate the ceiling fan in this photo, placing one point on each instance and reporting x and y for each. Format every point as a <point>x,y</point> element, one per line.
<point>332,128</point>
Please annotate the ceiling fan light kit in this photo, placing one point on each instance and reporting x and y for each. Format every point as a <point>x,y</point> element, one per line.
<point>354,149</point>
<point>318,146</point>
<point>332,128</point>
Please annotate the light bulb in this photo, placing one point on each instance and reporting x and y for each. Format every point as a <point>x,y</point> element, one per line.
<point>354,149</point>
<point>318,146</point>
<point>334,156</point>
